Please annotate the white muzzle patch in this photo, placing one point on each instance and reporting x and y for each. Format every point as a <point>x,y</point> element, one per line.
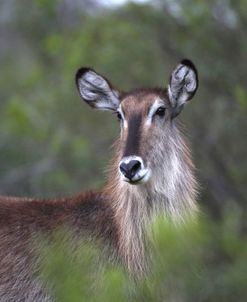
<point>133,171</point>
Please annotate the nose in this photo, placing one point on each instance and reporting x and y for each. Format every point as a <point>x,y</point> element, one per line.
<point>129,169</point>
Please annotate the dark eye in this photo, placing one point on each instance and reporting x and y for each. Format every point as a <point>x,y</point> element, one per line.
<point>160,111</point>
<point>119,116</point>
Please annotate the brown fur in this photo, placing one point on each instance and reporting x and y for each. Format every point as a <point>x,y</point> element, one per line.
<point>21,220</point>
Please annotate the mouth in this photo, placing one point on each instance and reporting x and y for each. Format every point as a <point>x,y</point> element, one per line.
<point>144,178</point>
<point>135,182</point>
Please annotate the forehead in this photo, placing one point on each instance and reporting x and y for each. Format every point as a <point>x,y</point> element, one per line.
<point>142,100</point>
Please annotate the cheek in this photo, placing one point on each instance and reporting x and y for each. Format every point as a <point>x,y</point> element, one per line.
<point>147,141</point>
<point>151,141</point>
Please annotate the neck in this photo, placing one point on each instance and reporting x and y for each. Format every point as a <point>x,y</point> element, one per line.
<point>171,192</point>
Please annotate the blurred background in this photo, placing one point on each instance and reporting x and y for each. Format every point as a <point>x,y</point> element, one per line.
<point>51,144</point>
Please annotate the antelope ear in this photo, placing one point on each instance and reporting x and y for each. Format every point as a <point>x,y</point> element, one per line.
<point>96,90</point>
<point>183,85</point>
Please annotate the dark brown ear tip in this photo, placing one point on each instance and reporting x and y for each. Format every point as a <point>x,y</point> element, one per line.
<point>189,63</point>
<point>80,72</point>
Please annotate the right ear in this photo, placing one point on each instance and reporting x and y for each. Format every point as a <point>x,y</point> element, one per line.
<point>183,85</point>
<point>96,90</point>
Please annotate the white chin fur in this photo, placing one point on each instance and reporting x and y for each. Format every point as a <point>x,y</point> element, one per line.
<point>141,177</point>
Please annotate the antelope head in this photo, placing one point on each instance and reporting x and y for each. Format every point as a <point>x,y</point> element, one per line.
<point>146,117</point>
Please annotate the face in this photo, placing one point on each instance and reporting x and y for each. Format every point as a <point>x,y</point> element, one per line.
<point>145,116</point>
<point>142,116</point>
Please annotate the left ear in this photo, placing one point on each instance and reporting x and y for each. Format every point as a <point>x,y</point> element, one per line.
<point>183,85</point>
<point>96,90</point>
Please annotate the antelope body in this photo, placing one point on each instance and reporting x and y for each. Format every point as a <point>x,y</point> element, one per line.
<point>151,171</point>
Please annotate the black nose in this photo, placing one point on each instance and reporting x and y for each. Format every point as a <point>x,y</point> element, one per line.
<point>130,169</point>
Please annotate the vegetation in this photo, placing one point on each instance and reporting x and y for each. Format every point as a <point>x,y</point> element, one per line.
<point>198,262</point>
<point>53,145</point>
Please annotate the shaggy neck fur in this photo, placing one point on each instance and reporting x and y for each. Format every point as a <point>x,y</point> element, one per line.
<point>171,192</point>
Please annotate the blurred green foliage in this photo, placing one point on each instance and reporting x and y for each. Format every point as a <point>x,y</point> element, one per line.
<point>204,261</point>
<point>53,145</point>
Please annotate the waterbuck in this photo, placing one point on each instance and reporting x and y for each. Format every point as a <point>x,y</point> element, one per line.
<point>151,171</point>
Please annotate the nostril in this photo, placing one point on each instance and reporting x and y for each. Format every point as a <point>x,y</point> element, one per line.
<point>124,169</point>
<point>136,166</point>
